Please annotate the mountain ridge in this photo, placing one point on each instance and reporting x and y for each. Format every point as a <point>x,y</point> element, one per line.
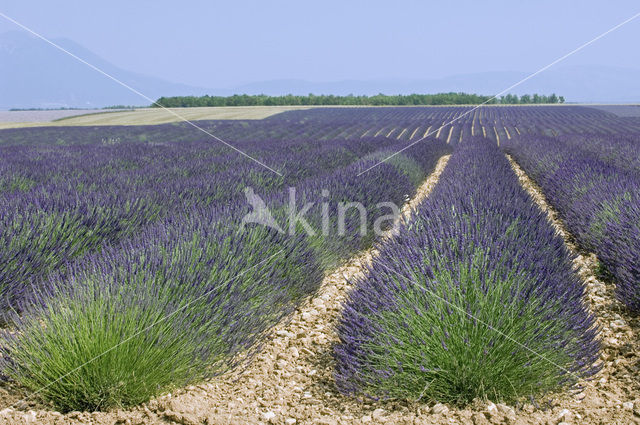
<point>33,74</point>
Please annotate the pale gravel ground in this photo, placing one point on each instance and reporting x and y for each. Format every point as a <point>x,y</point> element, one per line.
<point>291,381</point>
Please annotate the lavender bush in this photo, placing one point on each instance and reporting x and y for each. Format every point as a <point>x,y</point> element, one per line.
<point>476,298</point>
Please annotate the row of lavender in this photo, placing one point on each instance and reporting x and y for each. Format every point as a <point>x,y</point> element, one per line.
<point>594,183</point>
<point>475,298</point>
<point>189,290</point>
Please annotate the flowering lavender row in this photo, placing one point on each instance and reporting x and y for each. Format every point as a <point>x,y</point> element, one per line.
<point>475,298</point>
<point>594,183</point>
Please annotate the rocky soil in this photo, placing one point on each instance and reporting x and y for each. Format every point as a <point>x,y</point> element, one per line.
<point>291,382</point>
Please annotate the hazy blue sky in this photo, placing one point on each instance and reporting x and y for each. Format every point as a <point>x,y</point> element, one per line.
<point>218,44</point>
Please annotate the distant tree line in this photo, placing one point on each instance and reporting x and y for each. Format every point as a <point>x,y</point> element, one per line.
<point>377,100</point>
<point>513,99</point>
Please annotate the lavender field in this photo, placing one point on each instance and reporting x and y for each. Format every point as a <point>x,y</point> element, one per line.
<point>129,270</point>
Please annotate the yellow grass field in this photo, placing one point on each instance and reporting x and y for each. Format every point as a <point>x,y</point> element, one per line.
<point>160,116</point>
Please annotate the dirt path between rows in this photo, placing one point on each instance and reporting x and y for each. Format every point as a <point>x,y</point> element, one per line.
<point>291,380</point>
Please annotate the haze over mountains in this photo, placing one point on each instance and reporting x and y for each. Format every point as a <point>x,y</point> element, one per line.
<point>33,74</point>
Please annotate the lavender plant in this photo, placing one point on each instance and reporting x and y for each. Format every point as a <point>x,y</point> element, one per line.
<point>476,298</point>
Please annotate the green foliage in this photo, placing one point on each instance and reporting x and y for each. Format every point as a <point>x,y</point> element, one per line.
<point>403,163</point>
<point>604,273</point>
<point>15,183</point>
<point>513,99</point>
<point>468,359</point>
<point>352,100</point>
<point>68,353</point>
